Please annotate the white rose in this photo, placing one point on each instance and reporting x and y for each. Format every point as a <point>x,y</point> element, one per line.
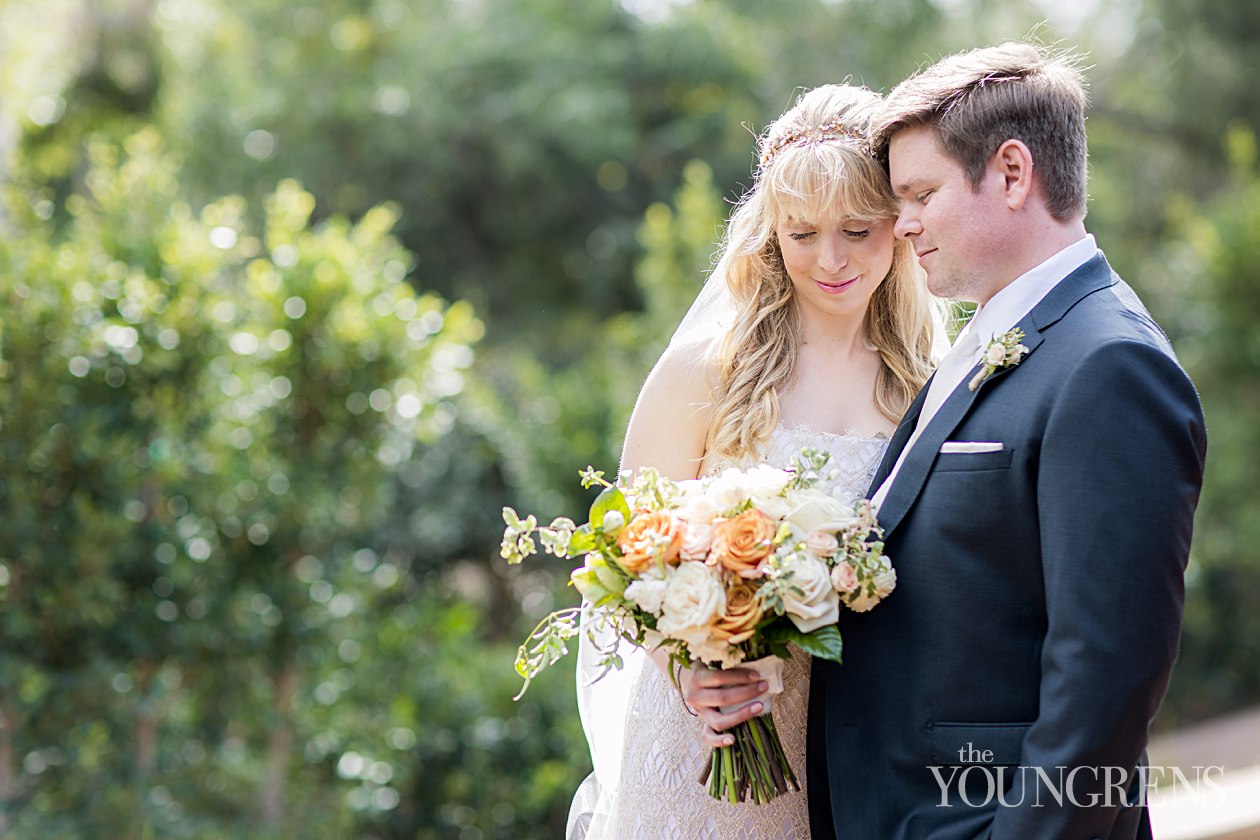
<point>814,510</point>
<point>996,354</point>
<point>647,594</point>
<point>775,507</point>
<point>885,582</point>
<point>694,598</point>
<point>697,509</point>
<point>764,481</point>
<point>727,490</point>
<point>817,604</point>
<point>821,543</point>
<point>697,539</point>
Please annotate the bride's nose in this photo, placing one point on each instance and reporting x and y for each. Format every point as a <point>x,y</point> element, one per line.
<point>833,255</point>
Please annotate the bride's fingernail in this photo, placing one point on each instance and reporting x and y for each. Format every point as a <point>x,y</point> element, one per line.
<point>728,741</point>
<point>763,686</point>
<point>757,708</point>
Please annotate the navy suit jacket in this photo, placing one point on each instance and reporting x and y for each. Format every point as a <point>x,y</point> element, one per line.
<point>1038,606</point>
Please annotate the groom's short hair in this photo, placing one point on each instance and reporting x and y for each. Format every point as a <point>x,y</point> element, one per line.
<point>979,99</point>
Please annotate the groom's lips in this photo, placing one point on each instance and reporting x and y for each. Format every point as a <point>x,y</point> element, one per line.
<point>922,254</point>
<point>835,288</point>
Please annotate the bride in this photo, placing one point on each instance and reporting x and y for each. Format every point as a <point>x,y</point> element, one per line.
<point>815,330</point>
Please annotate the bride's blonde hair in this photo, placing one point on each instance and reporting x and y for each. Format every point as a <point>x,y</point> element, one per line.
<point>814,163</point>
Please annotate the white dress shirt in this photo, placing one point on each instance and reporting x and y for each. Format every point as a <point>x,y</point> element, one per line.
<point>1003,311</point>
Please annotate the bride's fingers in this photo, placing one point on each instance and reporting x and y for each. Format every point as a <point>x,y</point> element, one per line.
<point>712,678</point>
<point>703,699</point>
<point>717,722</point>
<point>716,739</point>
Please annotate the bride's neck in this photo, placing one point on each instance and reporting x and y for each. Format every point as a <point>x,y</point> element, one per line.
<point>841,335</point>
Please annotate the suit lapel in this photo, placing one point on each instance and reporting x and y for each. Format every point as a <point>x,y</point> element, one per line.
<point>1089,278</point>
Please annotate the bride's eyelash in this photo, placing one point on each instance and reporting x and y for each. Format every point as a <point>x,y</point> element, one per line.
<point>798,237</point>
<point>858,234</point>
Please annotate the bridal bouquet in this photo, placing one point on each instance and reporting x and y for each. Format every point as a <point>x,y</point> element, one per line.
<point>727,570</point>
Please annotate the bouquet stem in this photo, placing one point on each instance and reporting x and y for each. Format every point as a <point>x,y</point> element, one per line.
<point>753,769</point>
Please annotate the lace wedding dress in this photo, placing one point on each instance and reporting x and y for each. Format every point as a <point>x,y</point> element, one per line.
<point>658,795</point>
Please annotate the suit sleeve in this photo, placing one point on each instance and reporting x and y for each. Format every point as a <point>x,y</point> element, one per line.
<point>1119,474</point>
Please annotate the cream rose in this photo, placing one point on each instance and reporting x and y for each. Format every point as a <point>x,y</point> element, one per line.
<point>697,509</point>
<point>764,481</point>
<point>817,603</point>
<point>648,594</point>
<point>821,544</point>
<point>775,507</point>
<point>694,598</point>
<point>996,354</point>
<point>814,510</point>
<point>727,490</point>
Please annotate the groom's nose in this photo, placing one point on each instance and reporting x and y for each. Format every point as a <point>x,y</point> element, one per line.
<point>908,223</point>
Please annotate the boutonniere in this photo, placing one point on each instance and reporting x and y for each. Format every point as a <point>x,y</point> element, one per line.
<point>1003,351</point>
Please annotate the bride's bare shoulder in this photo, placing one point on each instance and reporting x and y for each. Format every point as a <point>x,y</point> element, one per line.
<point>690,368</point>
<point>671,416</point>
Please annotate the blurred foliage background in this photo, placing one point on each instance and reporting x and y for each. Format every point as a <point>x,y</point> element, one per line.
<point>295,296</point>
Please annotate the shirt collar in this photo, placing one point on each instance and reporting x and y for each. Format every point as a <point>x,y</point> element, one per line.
<point>1006,308</point>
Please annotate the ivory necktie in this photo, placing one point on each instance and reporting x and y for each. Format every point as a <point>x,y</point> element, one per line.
<point>957,363</point>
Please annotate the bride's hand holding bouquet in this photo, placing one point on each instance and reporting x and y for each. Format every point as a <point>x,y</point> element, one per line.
<point>727,571</point>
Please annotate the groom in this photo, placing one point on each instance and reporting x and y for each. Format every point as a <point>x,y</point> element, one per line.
<point>1037,499</point>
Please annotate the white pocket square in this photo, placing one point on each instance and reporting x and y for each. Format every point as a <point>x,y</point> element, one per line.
<point>970,447</point>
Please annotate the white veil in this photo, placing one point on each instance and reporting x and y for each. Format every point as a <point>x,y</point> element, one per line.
<point>604,707</point>
<point>604,703</point>
<point>711,314</point>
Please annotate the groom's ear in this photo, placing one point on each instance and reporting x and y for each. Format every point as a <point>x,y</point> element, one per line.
<point>1014,162</point>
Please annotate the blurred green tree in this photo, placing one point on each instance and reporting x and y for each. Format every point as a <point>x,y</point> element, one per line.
<point>242,595</point>
<point>190,412</point>
<point>1209,270</point>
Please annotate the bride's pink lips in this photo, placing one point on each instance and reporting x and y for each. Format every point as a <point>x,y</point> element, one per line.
<point>836,288</point>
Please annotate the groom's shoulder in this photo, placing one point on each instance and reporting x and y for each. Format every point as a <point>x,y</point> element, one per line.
<point>1116,313</point>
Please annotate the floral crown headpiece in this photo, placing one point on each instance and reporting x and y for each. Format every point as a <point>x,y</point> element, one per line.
<point>834,130</point>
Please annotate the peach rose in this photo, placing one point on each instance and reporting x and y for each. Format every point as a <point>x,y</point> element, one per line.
<point>741,543</point>
<point>741,615</point>
<point>649,538</point>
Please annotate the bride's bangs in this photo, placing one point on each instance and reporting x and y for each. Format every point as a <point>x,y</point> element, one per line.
<point>827,180</point>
